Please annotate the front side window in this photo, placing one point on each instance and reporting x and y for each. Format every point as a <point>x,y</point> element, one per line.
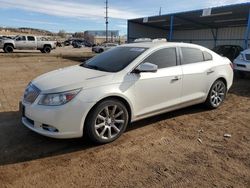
<point>191,55</point>
<point>21,38</point>
<point>163,58</point>
<point>115,59</point>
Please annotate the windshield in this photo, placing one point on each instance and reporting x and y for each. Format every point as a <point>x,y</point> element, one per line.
<point>114,59</point>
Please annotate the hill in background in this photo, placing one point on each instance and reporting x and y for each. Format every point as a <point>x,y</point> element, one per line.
<point>24,30</point>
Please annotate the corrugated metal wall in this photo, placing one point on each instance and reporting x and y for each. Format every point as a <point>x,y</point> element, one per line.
<point>204,37</point>
<point>141,31</point>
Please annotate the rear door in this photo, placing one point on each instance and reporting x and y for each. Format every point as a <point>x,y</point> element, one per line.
<point>198,71</point>
<point>31,42</point>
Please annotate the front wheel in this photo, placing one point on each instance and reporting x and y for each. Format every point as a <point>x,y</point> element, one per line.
<point>216,94</point>
<point>47,49</point>
<point>107,121</point>
<point>8,49</point>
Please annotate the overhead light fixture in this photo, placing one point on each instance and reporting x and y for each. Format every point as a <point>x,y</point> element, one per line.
<point>156,21</point>
<point>173,25</point>
<point>230,20</point>
<point>218,14</point>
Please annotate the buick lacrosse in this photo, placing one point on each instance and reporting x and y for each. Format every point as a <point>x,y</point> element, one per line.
<point>101,96</point>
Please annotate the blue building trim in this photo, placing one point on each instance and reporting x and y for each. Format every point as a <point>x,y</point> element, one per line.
<point>171,28</point>
<point>215,35</point>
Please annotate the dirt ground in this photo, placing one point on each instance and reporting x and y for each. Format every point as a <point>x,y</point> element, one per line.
<point>161,151</point>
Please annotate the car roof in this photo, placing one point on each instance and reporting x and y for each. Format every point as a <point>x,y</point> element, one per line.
<point>159,44</point>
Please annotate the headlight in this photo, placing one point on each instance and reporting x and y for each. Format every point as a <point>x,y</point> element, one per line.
<point>56,99</point>
<point>240,57</point>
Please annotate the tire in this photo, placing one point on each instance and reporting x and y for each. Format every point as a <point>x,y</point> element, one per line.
<point>100,51</point>
<point>47,49</point>
<point>106,121</point>
<point>216,95</point>
<point>8,49</point>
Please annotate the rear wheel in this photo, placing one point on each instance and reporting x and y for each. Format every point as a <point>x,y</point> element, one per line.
<point>8,49</point>
<point>107,121</point>
<point>216,94</point>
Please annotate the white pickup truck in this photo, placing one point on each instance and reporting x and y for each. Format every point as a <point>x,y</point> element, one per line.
<point>22,42</point>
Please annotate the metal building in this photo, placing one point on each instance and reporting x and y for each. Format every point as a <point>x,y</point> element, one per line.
<point>208,27</point>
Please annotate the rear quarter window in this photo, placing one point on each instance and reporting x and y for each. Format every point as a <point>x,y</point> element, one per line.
<point>207,56</point>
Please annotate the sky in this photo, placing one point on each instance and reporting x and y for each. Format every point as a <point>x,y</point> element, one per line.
<point>80,15</point>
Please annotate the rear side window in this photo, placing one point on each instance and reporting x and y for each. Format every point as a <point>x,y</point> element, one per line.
<point>30,38</point>
<point>163,58</point>
<point>191,55</point>
<point>207,56</point>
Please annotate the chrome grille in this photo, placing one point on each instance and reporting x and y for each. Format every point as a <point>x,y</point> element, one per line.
<point>31,93</point>
<point>247,57</point>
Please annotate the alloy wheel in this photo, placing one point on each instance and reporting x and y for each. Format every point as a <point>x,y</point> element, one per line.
<point>109,122</point>
<point>218,93</point>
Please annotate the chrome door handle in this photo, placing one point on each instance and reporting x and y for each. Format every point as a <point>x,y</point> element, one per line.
<point>176,78</point>
<point>210,71</point>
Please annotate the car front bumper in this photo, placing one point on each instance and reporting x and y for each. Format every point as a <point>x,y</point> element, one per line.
<point>65,121</point>
<point>241,65</point>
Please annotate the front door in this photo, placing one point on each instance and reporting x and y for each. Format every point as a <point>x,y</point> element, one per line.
<point>160,90</point>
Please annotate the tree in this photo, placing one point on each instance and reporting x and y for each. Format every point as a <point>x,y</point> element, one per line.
<point>78,35</point>
<point>62,34</point>
<point>88,37</point>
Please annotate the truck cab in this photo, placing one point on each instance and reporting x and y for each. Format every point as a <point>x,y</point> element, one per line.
<point>25,42</point>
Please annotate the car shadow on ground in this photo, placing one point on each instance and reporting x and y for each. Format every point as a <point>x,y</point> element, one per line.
<point>19,144</point>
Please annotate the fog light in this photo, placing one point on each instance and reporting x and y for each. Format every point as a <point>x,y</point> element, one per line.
<point>49,128</point>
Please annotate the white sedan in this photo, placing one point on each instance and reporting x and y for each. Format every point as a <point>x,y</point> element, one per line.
<point>122,85</point>
<point>242,63</point>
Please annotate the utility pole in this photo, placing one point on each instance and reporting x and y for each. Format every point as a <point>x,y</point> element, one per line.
<point>106,18</point>
<point>160,12</point>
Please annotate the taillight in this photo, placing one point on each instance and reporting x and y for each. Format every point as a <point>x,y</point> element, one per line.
<point>232,65</point>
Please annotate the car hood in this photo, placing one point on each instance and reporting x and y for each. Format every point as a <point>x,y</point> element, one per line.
<point>247,51</point>
<point>70,78</point>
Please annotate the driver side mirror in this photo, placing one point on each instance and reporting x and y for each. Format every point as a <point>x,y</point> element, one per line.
<point>146,67</point>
